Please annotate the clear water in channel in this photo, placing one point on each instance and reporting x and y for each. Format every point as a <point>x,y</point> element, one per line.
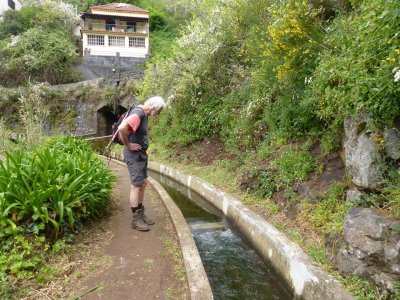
<point>234,270</point>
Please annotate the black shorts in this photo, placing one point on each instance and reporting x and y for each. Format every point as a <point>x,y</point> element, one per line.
<point>136,162</point>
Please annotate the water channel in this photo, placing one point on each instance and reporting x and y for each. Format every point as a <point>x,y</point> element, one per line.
<point>233,269</point>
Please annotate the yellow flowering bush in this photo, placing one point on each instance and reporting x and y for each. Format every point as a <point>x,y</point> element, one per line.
<point>294,35</point>
<point>359,69</point>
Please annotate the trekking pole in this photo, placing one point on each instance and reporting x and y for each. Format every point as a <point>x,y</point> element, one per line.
<point>107,151</point>
<point>116,132</point>
<point>112,138</point>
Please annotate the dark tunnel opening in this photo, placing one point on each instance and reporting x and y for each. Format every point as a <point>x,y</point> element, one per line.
<point>106,117</point>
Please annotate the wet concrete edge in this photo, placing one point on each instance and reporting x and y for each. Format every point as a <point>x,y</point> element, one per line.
<point>197,279</point>
<point>302,275</point>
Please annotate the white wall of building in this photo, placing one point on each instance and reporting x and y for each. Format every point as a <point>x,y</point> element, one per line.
<point>4,6</point>
<point>120,13</point>
<point>106,50</point>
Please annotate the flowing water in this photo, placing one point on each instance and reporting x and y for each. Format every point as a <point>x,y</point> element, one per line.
<point>234,270</point>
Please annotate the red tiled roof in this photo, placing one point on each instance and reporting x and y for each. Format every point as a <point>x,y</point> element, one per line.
<point>120,7</point>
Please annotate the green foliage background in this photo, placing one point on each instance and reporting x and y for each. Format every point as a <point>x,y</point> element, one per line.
<point>272,79</point>
<point>42,48</point>
<point>278,69</point>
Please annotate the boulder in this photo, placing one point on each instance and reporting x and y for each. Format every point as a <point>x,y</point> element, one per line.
<point>363,229</point>
<point>369,247</point>
<point>364,161</point>
<point>392,143</point>
<point>354,195</point>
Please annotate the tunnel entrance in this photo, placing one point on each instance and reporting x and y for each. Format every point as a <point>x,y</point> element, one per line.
<point>106,117</point>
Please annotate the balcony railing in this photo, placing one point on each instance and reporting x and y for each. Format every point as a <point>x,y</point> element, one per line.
<point>101,27</point>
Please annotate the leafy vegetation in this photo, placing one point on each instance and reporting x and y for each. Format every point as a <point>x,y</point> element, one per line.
<point>355,70</point>
<point>328,214</point>
<point>263,76</point>
<point>269,70</point>
<point>50,58</point>
<point>19,258</point>
<point>17,21</point>
<point>294,165</point>
<point>37,45</point>
<point>53,189</point>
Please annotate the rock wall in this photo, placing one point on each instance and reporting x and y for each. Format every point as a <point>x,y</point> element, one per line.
<point>364,160</point>
<point>369,247</point>
<point>104,65</point>
<point>94,118</point>
<point>370,243</point>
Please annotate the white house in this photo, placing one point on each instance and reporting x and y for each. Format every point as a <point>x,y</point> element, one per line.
<point>115,29</point>
<point>8,4</point>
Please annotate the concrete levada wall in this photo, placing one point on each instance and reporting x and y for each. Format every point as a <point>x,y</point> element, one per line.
<point>305,279</point>
<point>197,279</point>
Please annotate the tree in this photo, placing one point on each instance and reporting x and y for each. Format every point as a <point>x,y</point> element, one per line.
<point>39,55</point>
<point>18,21</point>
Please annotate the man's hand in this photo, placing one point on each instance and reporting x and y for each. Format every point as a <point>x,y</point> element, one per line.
<point>134,147</point>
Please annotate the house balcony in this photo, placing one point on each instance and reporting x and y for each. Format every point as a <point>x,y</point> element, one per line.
<point>118,29</point>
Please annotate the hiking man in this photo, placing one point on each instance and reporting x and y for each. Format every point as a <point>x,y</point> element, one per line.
<point>133,132</point>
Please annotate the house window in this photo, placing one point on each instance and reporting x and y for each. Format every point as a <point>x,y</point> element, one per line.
<point>137,42</point>
<point>131,26</point>
<point>110,24</point>
<point>95,40</point>
<point>11,4</point>
<point>116,41</point>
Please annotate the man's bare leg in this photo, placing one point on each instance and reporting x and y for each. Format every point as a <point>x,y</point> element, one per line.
<point>137,194</point>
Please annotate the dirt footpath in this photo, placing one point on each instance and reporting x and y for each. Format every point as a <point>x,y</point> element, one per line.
<point>144,265</point>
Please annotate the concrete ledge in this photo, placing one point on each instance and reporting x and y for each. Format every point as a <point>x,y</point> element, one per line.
<point>199,285</point>
<point>197,279</point>
<point>305,279</point>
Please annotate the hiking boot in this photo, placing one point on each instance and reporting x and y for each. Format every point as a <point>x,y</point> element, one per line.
<point>138,223</point>
<point>145,218</point>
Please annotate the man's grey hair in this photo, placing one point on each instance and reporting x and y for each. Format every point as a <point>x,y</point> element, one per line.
<point>157,103</point>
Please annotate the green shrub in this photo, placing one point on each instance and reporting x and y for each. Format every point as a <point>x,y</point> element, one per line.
<point>39,56</point>
<point>330,141</point>
<point>157,20</point>
<point>20,258</point>
<point>162,44</point>
<point>267,185</point>
<point>294,165</point>
<point>289,117</point>
<point>17,21</point>
<point>53,187</point>
<point>43,50</point>
<point>355,71</point>
<point>187,122</point>
<point>294,40</point>
<point>328,214</point>
<point>194,79</point>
